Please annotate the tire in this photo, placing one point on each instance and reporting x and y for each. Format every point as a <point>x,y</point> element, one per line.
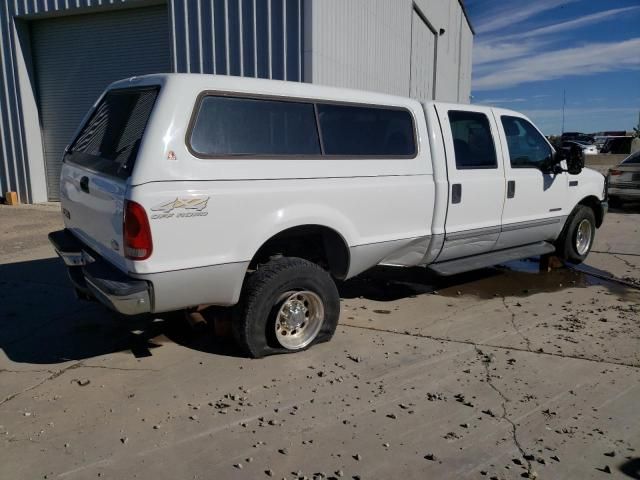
<point>285,289</point>
<point>568,247</point>
<point>615,202</point>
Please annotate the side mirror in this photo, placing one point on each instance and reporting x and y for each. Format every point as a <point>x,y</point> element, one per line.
<point>552,164</point>
<point>575,160</point>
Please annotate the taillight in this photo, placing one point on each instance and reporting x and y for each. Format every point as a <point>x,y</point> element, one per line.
<point>615,172</point>
<point>136,232</point>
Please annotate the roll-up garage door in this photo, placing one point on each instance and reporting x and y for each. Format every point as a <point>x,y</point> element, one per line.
<point>76,57</point>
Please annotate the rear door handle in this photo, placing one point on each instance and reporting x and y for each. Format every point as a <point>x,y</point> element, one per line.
<point>456,193</point>
<point>84,184</point>
<point>511,188</point>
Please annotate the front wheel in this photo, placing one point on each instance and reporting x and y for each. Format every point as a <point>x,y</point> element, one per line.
<point>287,305</point>
<point>577,237</point>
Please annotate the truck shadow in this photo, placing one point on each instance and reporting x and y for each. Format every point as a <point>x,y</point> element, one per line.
<point>41,321</point>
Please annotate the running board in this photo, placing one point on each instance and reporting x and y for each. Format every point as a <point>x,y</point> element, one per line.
<point>460,265</point>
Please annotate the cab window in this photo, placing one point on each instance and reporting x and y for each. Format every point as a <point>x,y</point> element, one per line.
<point>527,147</point>
<point>472,140</point>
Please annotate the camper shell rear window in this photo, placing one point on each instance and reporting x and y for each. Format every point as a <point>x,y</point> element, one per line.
<point>225,126</point>
<point>109,141</point>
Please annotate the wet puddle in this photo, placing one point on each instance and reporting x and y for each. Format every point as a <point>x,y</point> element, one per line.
<point>520,279</point>
<point>514,279</point>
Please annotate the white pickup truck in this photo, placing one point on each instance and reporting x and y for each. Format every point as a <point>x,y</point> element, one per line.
<point>181,191</point>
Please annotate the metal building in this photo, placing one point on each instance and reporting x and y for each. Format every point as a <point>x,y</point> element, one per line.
<point>56,57</point>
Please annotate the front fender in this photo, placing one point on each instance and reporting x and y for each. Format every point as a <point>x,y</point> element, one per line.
<point>588,188</point>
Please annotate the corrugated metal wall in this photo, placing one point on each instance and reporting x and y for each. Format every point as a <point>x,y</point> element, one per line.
<point>362,44</point>
<point>14,174</point>
<point>251,38</point>
<point>423,55</point>
<point>464,76</point>
<point>368,44</point>
<point>262,38</point>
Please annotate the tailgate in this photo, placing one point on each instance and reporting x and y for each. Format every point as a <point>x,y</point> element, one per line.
<point>97,166</point>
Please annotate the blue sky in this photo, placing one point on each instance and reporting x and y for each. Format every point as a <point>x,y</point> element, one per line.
<point>526,52</point>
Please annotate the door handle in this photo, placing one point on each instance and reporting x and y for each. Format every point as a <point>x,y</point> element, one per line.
<point>84,184</point>
<point>511,188</point>
<point>456,193</point>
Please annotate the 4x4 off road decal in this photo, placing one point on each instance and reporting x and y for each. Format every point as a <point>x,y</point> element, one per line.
<point>194,206</point>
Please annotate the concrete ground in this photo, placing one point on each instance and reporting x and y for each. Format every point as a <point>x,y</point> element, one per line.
<point>503,373</point>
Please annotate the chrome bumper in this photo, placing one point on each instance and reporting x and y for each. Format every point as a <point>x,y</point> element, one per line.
<point>135,303</point>
<point>94,278</point>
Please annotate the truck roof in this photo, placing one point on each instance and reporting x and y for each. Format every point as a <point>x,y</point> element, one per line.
<point>195,82</point>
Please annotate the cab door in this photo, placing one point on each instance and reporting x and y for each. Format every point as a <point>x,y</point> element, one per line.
<point>476,180</point>
<point>535,205</point>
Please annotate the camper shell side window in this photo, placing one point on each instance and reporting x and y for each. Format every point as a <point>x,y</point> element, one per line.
<point>235,126</point>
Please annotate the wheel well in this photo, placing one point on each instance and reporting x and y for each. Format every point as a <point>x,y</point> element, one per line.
<point>594,204</point>
<point>318,244</point>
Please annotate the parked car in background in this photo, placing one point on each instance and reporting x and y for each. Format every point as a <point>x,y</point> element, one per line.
<point>587,149</point>
<point>624,180</point>
<point>617,145</point>
<point>569,136</point>
<point>577,136</point>
<point>588,139</point>
<point>599,142</point>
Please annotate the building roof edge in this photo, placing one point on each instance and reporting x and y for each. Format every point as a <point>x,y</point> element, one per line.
<point>466,15</point>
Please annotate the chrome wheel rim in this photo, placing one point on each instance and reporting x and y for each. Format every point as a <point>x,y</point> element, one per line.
<point>299,319</point>
<point>583,236</point>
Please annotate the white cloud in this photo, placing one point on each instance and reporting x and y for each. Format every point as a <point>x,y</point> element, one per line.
<point>584,60</point>
<point>500,101</point>
<point>498,53</point>
<point>551,113</point>
<point>583,119</point>
<point>508,47</point>
<point>489,52</point>
<point>564,27</point>
<point>516,12</point>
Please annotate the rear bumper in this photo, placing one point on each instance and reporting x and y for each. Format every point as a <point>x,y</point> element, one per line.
<point>628,192</point>
<point>97,279</point>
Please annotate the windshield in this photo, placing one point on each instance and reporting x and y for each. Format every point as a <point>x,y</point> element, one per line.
<point>109,141</point>
<point>632,159</point>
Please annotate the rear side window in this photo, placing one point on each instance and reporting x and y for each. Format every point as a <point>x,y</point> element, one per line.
<point>366,131</point>
<point>527,147</point>
<point>108,143</point>
<point>243,126</point>
<point>617,145</point>
<point>633,159</point>
<point>472,140</point>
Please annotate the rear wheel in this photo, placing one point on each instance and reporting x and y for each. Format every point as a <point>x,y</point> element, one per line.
<point>287,305</point>
<point>577,237</point>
